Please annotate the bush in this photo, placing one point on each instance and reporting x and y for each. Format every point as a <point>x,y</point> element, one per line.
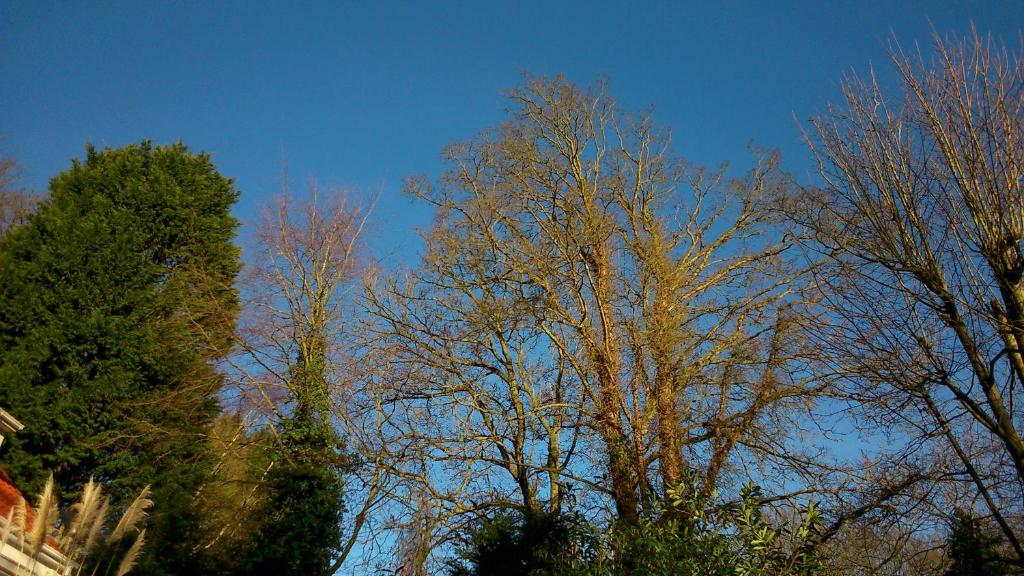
<point>973,549</point>
<point>300,521</point>
<point>534,544</point>
<point>689,536</point>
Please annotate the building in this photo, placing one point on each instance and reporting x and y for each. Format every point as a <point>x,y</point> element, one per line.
<point>14,559</point>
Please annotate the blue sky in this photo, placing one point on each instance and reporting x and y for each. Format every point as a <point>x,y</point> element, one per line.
<point>363,94</point>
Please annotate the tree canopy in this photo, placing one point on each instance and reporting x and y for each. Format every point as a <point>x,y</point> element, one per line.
<point>115,298</point>
<point>607,361</point>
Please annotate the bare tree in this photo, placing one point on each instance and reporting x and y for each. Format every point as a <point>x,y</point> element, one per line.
<point>416,539</point>
<point>921,220</point>
<point>15,203</point>
<point>302,275</point>
<point>584,288</point>
<point>299,347</point>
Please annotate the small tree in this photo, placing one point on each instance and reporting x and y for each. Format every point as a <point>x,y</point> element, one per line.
<point>530,543</point>
<point>973,549</point>
<point>300,519</point>
<point>231,501</point>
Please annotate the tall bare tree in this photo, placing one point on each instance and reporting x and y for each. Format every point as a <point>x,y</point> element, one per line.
<point>299,344</point>
<point>584,287</point>
<point>921,220</point>
<point>303,276</point>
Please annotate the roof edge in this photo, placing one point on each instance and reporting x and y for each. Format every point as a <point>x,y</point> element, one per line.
<point>9,424</point>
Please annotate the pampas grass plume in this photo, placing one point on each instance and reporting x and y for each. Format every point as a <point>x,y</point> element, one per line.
<point>128,562</point>
<point>46,515</point>
<point>133,516</point>
<point>8,524</point>
<point>84,511</point>
<point>97,524</point>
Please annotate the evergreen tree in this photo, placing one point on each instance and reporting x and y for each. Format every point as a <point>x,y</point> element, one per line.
<point>307,259</point>
<point>300,521</point>
<point>530,544</point>
<point>115,297</point>
<point>973,549</point>
<point>299,529</point>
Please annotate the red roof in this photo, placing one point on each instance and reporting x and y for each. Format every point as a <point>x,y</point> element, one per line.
<point>9,498</point>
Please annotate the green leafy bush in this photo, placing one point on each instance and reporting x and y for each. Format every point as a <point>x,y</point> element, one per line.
<point>690,535</point>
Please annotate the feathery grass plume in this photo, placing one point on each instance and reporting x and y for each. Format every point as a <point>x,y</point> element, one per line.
<point>20,512</point>
<point>83,511</point>
<point>133,516</point>
<point>45,517</point>
<point>128,562</point>
<point>17,536</point>
<point>9,522</point>
<point>96,525</point>
<point>19,516</point>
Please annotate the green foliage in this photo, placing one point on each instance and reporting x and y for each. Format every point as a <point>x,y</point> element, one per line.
<point>300,533</point>
<point>690,537</point>
<point>231,499</point>
<point>695,536</point>
<point>532,544</point>
<point>114,298</point>
<point>299,529</point>
<point>767,548</point>
<point>973,549</point>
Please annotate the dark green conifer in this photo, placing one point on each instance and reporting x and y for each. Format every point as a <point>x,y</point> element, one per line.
<point>974,551</point>
<point>115,297</point>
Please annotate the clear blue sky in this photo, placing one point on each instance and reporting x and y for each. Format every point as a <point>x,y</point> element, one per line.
<point>364,94</point>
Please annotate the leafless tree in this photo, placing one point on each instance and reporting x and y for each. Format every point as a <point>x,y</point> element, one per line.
<point>15,203</point>
<point>921,222</point>
<point>299,349</point>
<point>593,311</point>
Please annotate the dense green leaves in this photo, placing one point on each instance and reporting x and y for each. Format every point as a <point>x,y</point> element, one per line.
<point>115,297</point>
<point>513,544</point>
<point>974,550</point>
<point>299,523</point>
<point>692,536</point>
